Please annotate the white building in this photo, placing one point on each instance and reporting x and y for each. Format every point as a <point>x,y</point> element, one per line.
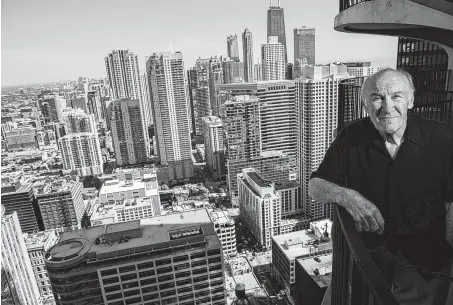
<point>273,59</point>
<point>124,78</point>
<point>16,265</point>
<point>169,101</point>
<point>214,146</point>
<point>290,196</point>
<point>131,188</point>
<point>317,100</point>
<point>259,206</point>
<point>226,231</point>
<point>81,152</point>
<point>287,248</point>
<point>37,244</point>
<point>130,136</point>
<point>76,121</point>
<point>361,69</point>
<point>46,139</point>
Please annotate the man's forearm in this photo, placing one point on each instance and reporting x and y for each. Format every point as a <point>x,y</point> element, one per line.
<point>325,192</point>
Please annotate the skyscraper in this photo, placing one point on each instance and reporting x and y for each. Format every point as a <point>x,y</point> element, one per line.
<point>129,136</point>
<point>125,81</point>
<point>317,100</point>
<point>214,146</point>
<point>81,152</point>
<point>273,59</point>
<point>16,266</point>
<point>276,26</point>
<point>76,120</point>
<point>232,47</point>
<point>247,46</point>
<point>304,44</point>
<point>171,116</point>
<point>258,71</point>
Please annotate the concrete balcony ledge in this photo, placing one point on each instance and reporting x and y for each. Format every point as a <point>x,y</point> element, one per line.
<point>419,19</point>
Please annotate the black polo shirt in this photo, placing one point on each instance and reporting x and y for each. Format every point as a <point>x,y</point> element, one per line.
<point>410,191</point>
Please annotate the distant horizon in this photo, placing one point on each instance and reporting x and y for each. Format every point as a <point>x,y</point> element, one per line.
<point>37,49</point>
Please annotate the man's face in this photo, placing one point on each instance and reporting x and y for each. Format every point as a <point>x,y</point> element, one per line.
<point>387,99</point>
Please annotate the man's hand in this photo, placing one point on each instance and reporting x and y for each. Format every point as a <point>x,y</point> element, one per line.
<point>366,215</point>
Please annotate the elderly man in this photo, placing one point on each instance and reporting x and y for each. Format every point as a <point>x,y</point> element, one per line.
<point>393,172</point>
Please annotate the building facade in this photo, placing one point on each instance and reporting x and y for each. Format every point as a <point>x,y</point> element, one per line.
<point>215,147</point>
<point>46,139</point>
<point>247,46</point>
<point>171,116</point>
<point>276,26</point>
<point>17,272</point>
<point>273,59</point>
<point>359,69</point>
<point>82,152</point>
<point>173,259</point>
<point>232,48</point>
<point>60,202</point>
<point>226,231</point>
<point>304,45</point>
<point>129,136</point>
<point>76,121</point>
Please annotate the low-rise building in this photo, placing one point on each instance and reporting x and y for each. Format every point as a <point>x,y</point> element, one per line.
<point>226,231</point>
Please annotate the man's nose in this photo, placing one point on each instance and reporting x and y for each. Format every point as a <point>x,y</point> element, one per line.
<point>387,104</point>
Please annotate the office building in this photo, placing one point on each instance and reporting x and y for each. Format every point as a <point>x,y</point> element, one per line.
<point>304,44</point>
<point>51,106</point>
<point>273,59</point>
<point>260,206</point>
<point>226,231</point>
<point>21,138</point>
<point>124,78</point>
<point>19,197</point>
<point>130,140</point>
<point>172,259</point>
<point>171,116</point>
<point>60,202</point>
<point>94,105</point>
<point>290,197</point>
<point>289,71</point>
<point>146,98</point>
<point>17,273</point>
<point>37,244</point>
<point>258,71</point>
<point>359,69</point>
<point>77,121</point>
<point>247,46</point>
<point>215,147</point>
<point>276,26</point>
<point>233,71</point>
<point>81,152</point>
<point>132,187</point>
<point>232,48</point>
<point>288,248</point>
<point>317,99</point>
<point>46,139</point>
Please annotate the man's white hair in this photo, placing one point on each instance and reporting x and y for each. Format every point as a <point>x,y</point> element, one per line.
<point>374,76</point>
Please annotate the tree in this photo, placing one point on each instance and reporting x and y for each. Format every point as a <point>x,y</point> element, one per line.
<point>85,222</point>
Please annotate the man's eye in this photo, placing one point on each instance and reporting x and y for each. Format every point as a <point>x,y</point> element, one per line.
<point>397,96</point>
<point>375,98</point>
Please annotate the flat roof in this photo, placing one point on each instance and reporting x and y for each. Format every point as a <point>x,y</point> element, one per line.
<point>116,186</point>
<point>248,279</point>
<point>257,179</point>
<point>221,217</point>
<point>297,242</point>
<point>154,233</point>
<point>324,268</point>
<point>281,185</point>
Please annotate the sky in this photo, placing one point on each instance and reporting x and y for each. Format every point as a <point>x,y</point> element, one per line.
<point>57,40</point>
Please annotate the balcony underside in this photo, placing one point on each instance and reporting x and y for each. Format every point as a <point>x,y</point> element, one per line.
<point>398,18</point>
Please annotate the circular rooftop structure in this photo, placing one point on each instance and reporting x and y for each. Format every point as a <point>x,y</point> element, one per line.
<point>68,252</point>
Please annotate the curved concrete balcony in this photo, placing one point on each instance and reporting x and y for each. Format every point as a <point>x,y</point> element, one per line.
<point>419,19</point>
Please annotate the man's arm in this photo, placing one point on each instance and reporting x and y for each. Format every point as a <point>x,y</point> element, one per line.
<point>366,215</point>
<point>449,223</point>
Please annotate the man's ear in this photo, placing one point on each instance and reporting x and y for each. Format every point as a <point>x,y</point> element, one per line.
<point>411,101</point>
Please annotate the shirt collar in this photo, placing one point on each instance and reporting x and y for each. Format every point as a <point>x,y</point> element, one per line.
<point>412,133</point>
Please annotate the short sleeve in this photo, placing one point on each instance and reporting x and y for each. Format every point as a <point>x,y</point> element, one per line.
<point>333,166</point>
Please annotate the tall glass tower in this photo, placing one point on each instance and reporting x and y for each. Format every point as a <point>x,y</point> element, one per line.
<point>276,25</point>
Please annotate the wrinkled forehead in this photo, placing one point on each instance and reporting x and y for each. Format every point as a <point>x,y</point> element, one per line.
<point>388,82</point>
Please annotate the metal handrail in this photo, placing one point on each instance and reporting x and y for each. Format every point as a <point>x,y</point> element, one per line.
<point>345,4</point>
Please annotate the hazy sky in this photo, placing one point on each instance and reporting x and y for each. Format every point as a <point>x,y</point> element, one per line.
<point>53,40</point>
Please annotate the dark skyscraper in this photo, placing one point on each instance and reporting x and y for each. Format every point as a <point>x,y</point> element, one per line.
<point>276,25</point>
<point>247,45</point>
<point>304,44</point>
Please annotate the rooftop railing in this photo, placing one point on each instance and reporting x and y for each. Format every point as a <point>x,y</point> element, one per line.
<point>355,277</point>
<point>345,4</point>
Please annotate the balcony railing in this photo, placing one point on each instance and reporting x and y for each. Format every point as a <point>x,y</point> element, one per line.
<point>355,277</point>
<point>345,4</point>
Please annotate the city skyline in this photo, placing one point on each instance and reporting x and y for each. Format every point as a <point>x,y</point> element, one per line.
<point>31,45</point>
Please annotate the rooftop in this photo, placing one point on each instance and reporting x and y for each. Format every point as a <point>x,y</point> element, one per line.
<point>258,180</point>
<point>248,279</point>
<point>40,239</point>
<point>319,271</point>
<point>115,186</point>
<point>281,185</point>
<point>221,217</point>
<point>63,184</point>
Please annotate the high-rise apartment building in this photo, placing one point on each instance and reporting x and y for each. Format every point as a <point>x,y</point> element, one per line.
<point>317,100</point>
<point>46,139</point>
<point>172,259</point>
<point>60,202</point>
<point>276,26</point>
<point>258,71</point>
<point>129,138</point>
<point>214,146</point>
<point>226,231</point>
<point>37,244</point>
<point>81,152</point>
<point>76,121</point>
<point>17,273</point>
<point>247,46</point>
<point>94,105</point>
<point>171,116</point>
<point>232,47</point>
<point>233,71</point>
<point>304,44</point>
<point>273,59</point>
<point>298,67</point>
<point>146,98</point>
<point>289,71</point>
<point>359,69</point>
<point>124,78</point>
<point>19,197</point>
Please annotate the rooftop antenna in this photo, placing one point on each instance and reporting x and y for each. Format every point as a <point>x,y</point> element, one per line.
<point>278,3</point>
<point>171,47</point>
<point>270,2</point>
